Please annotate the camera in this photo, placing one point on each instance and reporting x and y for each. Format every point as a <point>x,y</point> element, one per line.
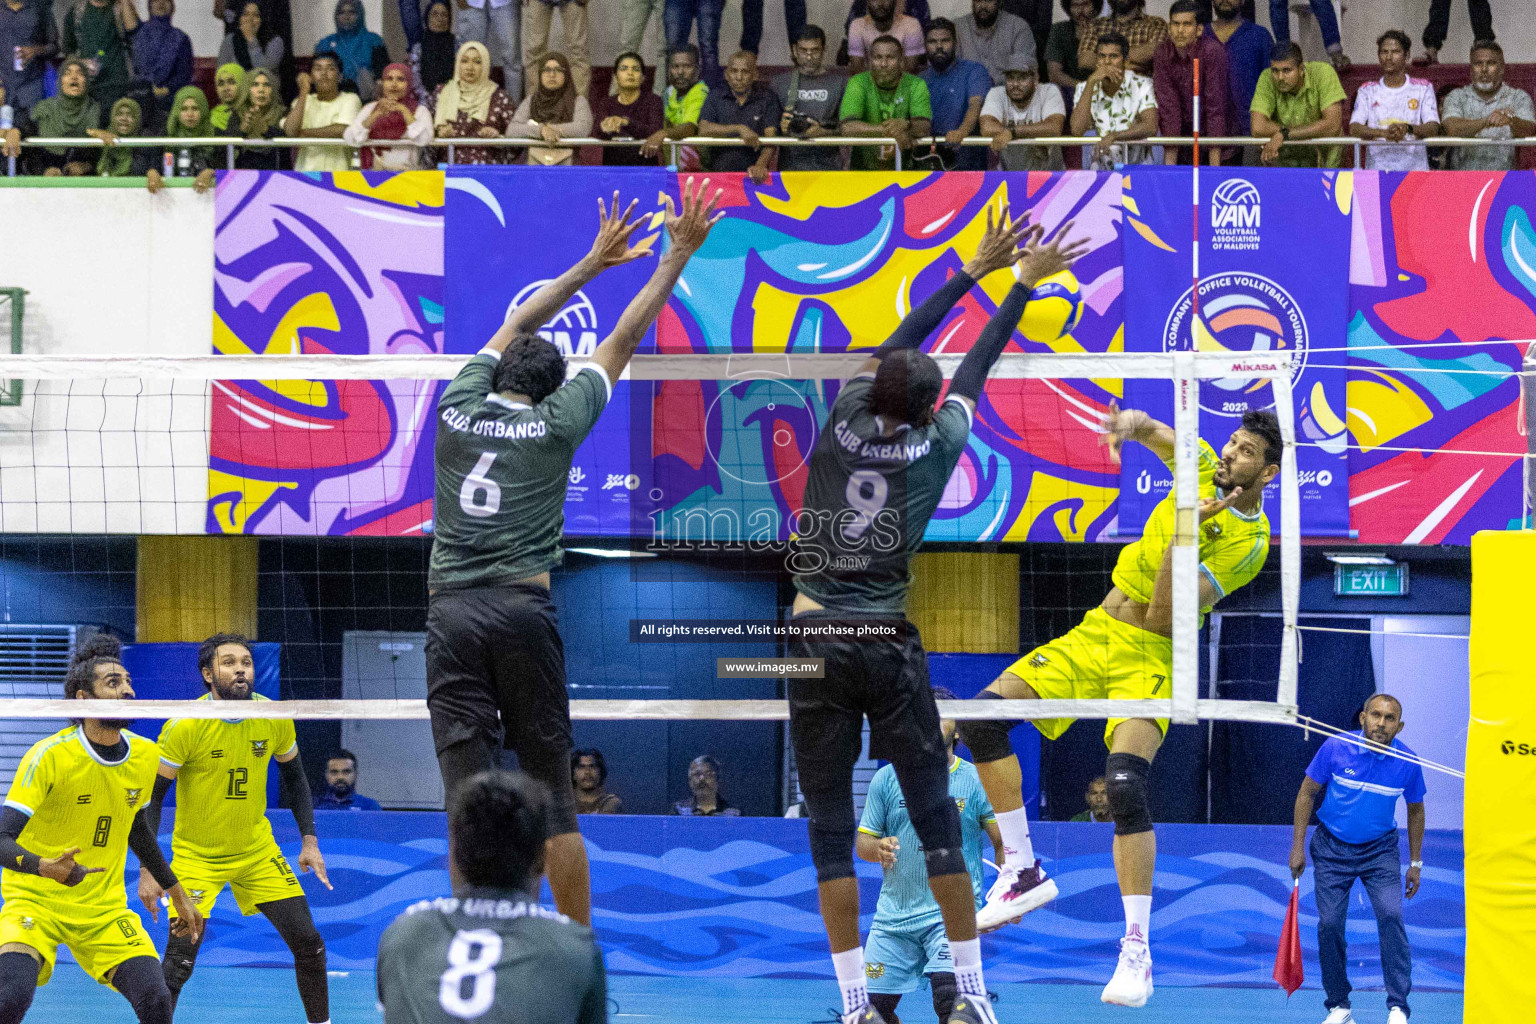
<point>800,123</point>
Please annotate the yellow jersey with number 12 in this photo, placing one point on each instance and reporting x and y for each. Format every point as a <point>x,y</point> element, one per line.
<point>221,781</point>
<point>76,798</point>
<point>1233,546</point>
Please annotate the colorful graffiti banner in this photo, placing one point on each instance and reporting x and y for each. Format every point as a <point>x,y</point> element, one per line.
<point>346,264</point>
<point>1265,286</point>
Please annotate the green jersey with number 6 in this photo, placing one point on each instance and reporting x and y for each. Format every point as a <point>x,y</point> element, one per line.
<point>489,956</point>
<point>502,470</point>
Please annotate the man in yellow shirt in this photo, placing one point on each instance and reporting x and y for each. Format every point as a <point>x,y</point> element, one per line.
<point>1122,650</point>
<point>222,835</point>
<point>78,798</point>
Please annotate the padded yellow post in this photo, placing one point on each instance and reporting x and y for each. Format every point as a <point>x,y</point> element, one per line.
<point>192,587</point>
<point>966,601</point>
<point>1500,814</point>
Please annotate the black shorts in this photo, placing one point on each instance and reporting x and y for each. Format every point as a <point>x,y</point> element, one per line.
<point>496,672</point>
<point>883,680</point>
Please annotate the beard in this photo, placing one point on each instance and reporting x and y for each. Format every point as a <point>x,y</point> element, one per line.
<point>986,22</point>
<point>1123,7</point>
<point>239,690</point>
<point>116,723</point>
<point>341,789</point>
<point>941,61</point>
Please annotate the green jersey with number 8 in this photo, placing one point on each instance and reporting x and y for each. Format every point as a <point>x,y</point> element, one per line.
<point>489,956</point>
<point>502,470</point>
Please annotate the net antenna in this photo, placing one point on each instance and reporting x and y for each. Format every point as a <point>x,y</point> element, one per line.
<point>1527,426</point>
<point>195,375</point>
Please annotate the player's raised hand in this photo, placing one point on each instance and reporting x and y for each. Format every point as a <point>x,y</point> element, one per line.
<point>999,247</point>
<point>1211,506</point>
<point>63,869</point>
<point>611,247</point>
<point>689,228</point>
<point>149,894</point>
<point>1122,425</point>
<point>311,860</point>
<point>188,922</point>
<point>889,848</point>
<point>1050,255</point>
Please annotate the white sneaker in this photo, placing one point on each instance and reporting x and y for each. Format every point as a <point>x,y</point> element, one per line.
<point>1132,983</point>
<point>1016,892</point>
<point>1395,1015</point>
<point>1341,1015</point>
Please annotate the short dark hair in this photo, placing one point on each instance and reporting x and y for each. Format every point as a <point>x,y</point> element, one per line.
<point>498,822</point>
<point>341,754</point>
<point>326,55</point>
<point>1399,36</point>
<point>530,366</point>
<point>208,648</point>
<point>1114,39</point>
<point>887,39</point>
<point>1265,425</point>
<point>1184,7</point>
<point>1098,7</point>
<point>99,649</point>
<point>943,693</point>
<point>597,759</point>
<point>812,34</point>
<point>714,765</point>
<point>906,386</point>
<point>944,25</point>
<point>1382,696</point>
<point>626,55</point>
<point>1095,781</point>
<point>1491,45</point>
<point>689,48</point>
<point>1286,51</point>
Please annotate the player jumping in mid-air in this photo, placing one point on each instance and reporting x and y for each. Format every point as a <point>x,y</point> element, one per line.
<point>510,424</point>
<point>1122,651</point>
<point>78,800</point>
<point>222,835</point>
<point>906,939</point>
<point>876,476</point>
<point>491,953</point>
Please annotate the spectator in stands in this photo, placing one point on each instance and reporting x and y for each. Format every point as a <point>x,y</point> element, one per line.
<point>915,8</point>
<point>744,110</point>
<point>322,111</point>
<point>956,91</point>
<point>629,113</point>
<point>162,55</point>
<point>252,44</point>
<point>1097,798</point>
<point>498,26</point>
<point>990,36</point>
<point>1116,104</point>
<point>472,106</point>
<point>1327,24</point>
<point>1440,23</point>
<point>1489,108</point>
<point>121,161</point>
<point>1061,53</point>
<point>1173,81</point>
<point>258,113</point>
<point>396,114</point>
<point>538,16</point>
<point>885,101</point>
<point>1297,100</point>
<point>1021,109</point>
<point>29,34</point>
<point>634,16</point>
<point>189,120</point>
<point>276,20</point>
<point>812,94</point>
<point>589,772</point>
<point>882,20</point>
<point>226,86</point>
<point>704,781</point>
<point>432,58</point>
<point>362,53</point>
<point>681,104</point>
<point>1247,46</point>
<point>1141,30</point>
<point>1395,108</point>
<point>98,31</point>
<point>553,111</point>
<point>72,114</point>
<point>341,785</point>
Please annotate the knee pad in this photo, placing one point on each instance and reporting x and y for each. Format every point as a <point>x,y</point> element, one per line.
<point>944,992</point>
<point>831,852</point>
<point>142,983</point>
<point>886,1003</point>
<point>1127,778</point>
<point>554,771</point>
<point>18,984</point>
<point>987,740</point>
<point>937,824</point>
<point>180,959</point>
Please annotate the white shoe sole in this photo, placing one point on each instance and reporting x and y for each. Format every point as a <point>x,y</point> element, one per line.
<point>1132,1003</point>
<point>992,917</point>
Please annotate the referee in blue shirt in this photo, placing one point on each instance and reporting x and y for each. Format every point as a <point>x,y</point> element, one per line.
<point>1356,837</point>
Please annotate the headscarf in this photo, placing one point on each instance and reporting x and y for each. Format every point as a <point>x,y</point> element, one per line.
<point>156,45</point>
<point>219,117</point>
<point>392,125</point>
<point>474,101</point>
<point>67,117</point>
<point>262,119</point>
<point>355,48</point>
<point>437,51</point>
<point>117,161</point>
<point>204,130</point>
<point>557,106</point>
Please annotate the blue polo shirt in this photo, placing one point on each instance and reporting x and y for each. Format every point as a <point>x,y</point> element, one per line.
<point>949,94</point>
<point>1361,788</point>
<point>1247,57</point>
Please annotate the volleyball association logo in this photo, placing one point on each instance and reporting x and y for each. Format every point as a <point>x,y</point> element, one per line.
<point>1236,214</point>
<point>573,329</point>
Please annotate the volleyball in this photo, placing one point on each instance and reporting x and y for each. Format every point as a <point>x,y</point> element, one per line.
<point>1055,307</point>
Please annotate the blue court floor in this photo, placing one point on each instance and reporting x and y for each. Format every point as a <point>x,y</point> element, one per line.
<point>267,996</point>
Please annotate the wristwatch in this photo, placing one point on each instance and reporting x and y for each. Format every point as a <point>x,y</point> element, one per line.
<point>1285,133</point>
<point>1416,864</point>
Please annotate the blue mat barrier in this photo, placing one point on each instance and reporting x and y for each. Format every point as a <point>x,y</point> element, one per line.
<point>736,898</point>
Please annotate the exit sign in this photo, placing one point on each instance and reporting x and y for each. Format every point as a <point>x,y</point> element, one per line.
<point>1371,580</point>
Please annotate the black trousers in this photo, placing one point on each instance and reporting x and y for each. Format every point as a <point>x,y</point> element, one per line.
<point>1440,22</point>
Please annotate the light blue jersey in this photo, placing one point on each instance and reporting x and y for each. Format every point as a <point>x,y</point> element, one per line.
<point>906,903</point>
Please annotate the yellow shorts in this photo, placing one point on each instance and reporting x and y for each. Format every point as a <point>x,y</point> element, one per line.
<point>99,944</point>
<point>1102,658</point>
<point>262,877</point>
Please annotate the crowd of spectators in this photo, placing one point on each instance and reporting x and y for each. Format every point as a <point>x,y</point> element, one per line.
<point>945,94</point>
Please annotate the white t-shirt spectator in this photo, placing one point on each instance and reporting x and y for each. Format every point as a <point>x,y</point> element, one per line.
<point>1411,103</point>
<point>1117,112</point>
<point>862,32</point>
<point>342,110</point>
<point>1044,103</point>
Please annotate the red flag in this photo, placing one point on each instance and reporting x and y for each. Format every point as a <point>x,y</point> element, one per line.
<point>1288,957</point>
